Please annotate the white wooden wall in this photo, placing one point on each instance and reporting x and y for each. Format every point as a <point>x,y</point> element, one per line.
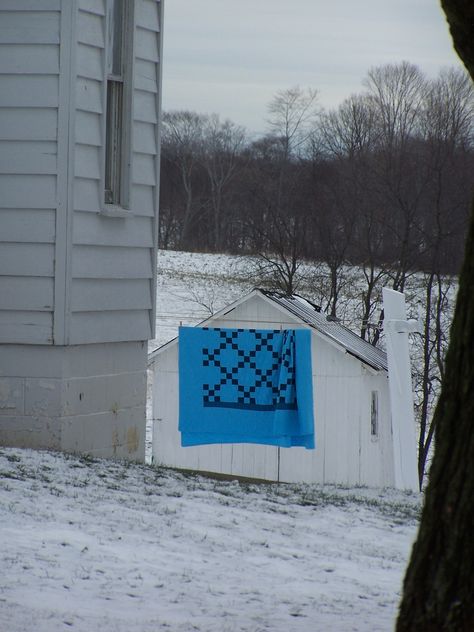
<point>345,451</point>
<point>69,274</point>
<point>112,276</point>
<point>29,99</point>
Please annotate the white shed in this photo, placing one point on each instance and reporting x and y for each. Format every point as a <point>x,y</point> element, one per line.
<point>353,433</point>
<point>80,91</point>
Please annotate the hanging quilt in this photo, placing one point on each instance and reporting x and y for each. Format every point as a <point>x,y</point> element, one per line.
<point>245,386</point>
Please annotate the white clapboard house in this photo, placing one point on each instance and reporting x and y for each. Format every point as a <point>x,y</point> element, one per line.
<point>79,167</point>
<point>352,412</point>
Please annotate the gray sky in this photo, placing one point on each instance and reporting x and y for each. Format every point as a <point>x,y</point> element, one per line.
<point>232,56</point>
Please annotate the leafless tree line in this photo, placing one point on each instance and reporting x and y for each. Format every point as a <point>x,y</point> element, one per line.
<point>382,183</point>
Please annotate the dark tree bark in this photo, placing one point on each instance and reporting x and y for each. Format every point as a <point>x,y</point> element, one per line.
<point>438,592</point>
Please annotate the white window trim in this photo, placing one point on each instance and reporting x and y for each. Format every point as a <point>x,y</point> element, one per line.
<point>121,210</point>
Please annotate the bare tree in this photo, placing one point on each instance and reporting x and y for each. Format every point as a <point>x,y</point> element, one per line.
<point>349,137</point>
<point>182,139</point>
<point>282,230</point>
<point>396,96</point>
<point>292,116</point>
<point>447,125</point>
<point>221,157</point>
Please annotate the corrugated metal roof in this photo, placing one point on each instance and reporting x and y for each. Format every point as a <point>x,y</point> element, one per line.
<point>311,315</point>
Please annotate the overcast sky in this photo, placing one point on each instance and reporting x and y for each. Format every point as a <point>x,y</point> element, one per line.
<point>232,56</point>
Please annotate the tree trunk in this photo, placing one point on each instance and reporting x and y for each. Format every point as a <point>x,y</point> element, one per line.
<point>438,592</point>
<point>439,584</point>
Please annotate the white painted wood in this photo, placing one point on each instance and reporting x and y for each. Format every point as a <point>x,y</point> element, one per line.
<point>87,162</point>
<point>88,295</point>
<point>29,91</point>
<point>33,27</point>
<point>147,45</point>
<point>89,62</point>
<point>148,15</point>
<point>157,164</point>
<point>27,191</point>
<point>66,113</point>
<point>145,76</point>
<point>89,95</point>
<point>144,171</point>
<point>87,128</point>
<point>35,260</point>
<point>145,106</point>
<point>56,171</point>
<point>253,461</point>
<point>87,195</point>
<point>16,225</point>
<point>144,140</point>
<point>397,327</point>
<point>90,29</point>
<point>35,157</point>
<point>31,5</point>
<point>29,59</point>
<point>31,124</point>
<point>92,327</point>
<point>92,6</point>
<point>26,293</point>
<point>94,262</point>
<point>93,229</point>
<point>143,200</point>
<point>26,326</point>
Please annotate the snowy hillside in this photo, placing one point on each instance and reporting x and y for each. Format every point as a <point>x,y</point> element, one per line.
<point>91,545</point>
<point>191,286</point>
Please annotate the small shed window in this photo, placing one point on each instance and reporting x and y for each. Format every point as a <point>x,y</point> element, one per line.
<point>118,121</point>
<point>374,414</point>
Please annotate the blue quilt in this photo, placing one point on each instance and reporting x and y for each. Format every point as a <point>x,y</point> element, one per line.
<point>245,386</point>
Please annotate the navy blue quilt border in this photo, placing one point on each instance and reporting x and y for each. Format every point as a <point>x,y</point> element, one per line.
<point>251,406</point>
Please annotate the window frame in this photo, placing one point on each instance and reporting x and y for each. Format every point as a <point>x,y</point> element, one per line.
<point>117,112</point>
<point>374,415</point>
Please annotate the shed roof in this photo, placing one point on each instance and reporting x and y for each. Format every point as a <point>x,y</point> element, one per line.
<point>310,314</point>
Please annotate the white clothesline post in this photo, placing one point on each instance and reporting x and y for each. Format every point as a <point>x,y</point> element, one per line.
<point>397,328</point>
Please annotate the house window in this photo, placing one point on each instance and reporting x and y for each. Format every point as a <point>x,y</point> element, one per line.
<point>374,414</point>
<point>117,123</point>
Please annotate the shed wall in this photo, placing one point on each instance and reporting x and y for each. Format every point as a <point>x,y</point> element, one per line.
<point>345,450</point>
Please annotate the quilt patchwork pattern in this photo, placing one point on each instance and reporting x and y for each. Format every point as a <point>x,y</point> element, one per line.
<point>245,386</point>
<point>250,369</point>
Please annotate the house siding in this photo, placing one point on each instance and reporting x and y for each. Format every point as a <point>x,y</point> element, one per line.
<point>115,254</point>
<point>29,106</point>
<point>76,286</point>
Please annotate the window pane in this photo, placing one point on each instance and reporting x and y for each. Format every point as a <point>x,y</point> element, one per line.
<point>113,147</point>
<point>374,414</point>
<point>115,36</point>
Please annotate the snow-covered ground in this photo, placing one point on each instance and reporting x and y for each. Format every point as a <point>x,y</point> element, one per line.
<point>192,286</point>
<point>92,545</point>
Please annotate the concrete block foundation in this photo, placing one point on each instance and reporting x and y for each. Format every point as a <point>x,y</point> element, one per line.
<point>88,399</point>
